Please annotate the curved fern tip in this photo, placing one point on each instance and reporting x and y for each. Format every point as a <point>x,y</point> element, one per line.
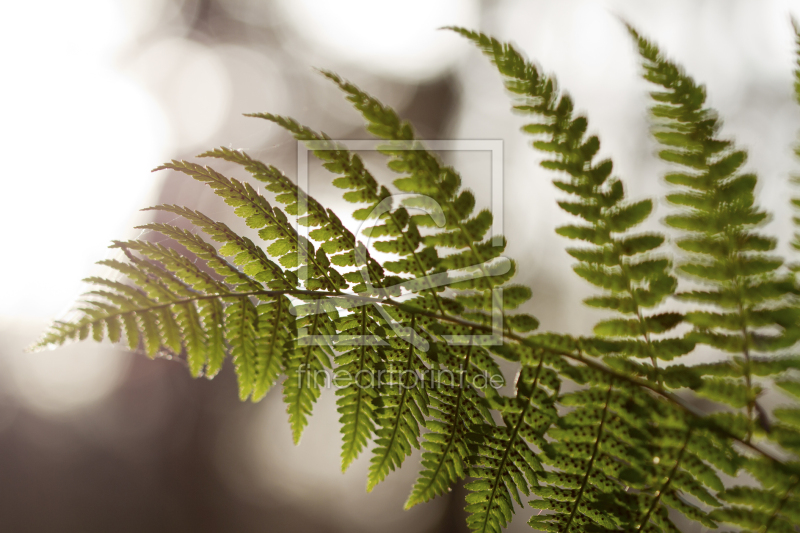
<point>631,29</point>
<point>410,503</point>
<point>37,347</point>
<point>164,166</point>
<point>331,75</point>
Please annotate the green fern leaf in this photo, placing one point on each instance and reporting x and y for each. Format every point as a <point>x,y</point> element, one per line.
<point>305,368</point>
<point>241,334</point>
<point>403,410</point>
<point>620,449</point>
<point>276,333</point>
<point>357,398</point>
<point>457,411</point>
<point>619,263</point>
<point>718,212</point>
<point>505,465</point>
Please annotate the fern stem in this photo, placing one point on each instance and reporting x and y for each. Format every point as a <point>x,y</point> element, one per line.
<point>479,259</point>
<point>351,450</point>
<point>531,343</point>
<point>671,475</point>
<point>777,511</point>
<point>639,316</point>
<point>422,270</point>
<point>456,417</point>
<point>595,451</point>
<point>501,465</point>
<point>746,352</point>
<point>321,268</point>
<point>261,387</point>
<point>247,375</point>
<point>297,418</point>
<point>398,418</point>
<point>747,375</point>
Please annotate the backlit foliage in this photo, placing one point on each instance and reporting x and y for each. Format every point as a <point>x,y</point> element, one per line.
<point>599,434</point>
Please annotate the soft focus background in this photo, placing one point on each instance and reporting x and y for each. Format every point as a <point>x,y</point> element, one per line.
<point>96,93</point>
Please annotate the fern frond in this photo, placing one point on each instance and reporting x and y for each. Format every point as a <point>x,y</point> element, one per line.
<point>174,304</point>
<point>305,368</point>
<point>363,189</point>
<point>457,412</point>
<point>242,327</point>
<point>326,228</point>
<point>204,343</point>
<point>361,363</point>
<point>504,464</point>
<point>287,245</point>
<point>621,263</point>
<point>595,434</point>
<point>634,280</point>
<point>774,506</point>
<point>150,303</point>
<point>424,175</point>
<point>404,406</point>
<point>242,249</point>
<point>688,457</point>
<point>585,493</point>
<point>718,216</point>
<point>275,344</point>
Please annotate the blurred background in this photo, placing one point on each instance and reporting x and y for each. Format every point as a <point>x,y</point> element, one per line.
<point>96,93</point>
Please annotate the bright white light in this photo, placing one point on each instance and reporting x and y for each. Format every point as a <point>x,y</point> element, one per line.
<point>193,83</point>
<point>79,140</point>
<point>397,39</point>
